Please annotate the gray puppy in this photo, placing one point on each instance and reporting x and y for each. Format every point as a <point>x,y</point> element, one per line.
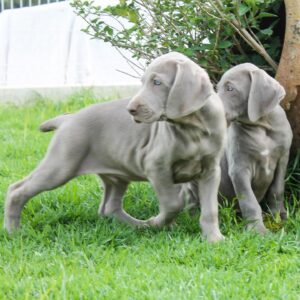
<point>181,137</point>
<point>259,140</point>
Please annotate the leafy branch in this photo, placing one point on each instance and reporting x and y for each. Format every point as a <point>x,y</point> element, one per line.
<point>216,34</point>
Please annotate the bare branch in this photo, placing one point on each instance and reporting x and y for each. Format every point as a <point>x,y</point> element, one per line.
<point>137,77</point>
<point>129,60</point>
<point>244,34</point>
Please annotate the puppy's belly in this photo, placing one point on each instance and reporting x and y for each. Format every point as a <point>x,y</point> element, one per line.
<point>186,170</point>
<point>107,167</point>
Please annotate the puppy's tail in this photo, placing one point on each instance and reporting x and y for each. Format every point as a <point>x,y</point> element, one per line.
<point>54,123</point>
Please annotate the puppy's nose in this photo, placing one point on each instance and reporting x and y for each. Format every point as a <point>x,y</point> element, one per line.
<point>132,111</point>
<point>133,108</point>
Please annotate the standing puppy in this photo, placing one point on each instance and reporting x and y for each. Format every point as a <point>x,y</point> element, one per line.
<point>259,140</point>
<point>181,138</point>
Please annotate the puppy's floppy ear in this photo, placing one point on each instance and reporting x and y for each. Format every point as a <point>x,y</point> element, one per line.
<point>189,91</point>
<point>265,93</point>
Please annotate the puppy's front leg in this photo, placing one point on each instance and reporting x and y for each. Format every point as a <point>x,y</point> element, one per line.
<point>171,201</point>
<point>275,195</point>
<point>248,203</point>
<point>208,186</point>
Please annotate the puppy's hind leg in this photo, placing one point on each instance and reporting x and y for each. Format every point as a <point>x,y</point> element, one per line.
<point>16,184</point>
<point>112,203</point>
<point>114,190</point>
<point>55,170</point>
<point>40,180</point>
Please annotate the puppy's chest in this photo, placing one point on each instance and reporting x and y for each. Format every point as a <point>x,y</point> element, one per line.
<point>255,150</point>
<point>265,163</point>
<point>263,171</point>
<point>190,148</point>
<point>188,164</point>
<point>254,147</point>
<point>263,159</point>
<point>186,170</point>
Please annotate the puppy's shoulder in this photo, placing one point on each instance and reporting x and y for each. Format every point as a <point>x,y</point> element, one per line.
<point>278,119</point>
<point>280,125</point>
<point>214,112</point>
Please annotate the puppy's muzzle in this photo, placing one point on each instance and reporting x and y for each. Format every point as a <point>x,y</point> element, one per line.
<point>132,111</point>
<point>132,108</point>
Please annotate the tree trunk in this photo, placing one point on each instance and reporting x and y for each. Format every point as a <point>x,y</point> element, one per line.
<point>288,73</point>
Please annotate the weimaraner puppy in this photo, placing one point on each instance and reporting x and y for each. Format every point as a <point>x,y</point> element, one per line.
<point>181,137</point>
<point>259,140</point>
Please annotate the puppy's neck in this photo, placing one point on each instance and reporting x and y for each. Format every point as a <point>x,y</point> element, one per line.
<point>191,121</point>
<point>208,120</point>
<point>262,122</point>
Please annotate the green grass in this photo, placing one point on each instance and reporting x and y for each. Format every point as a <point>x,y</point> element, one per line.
<point>65,251</point>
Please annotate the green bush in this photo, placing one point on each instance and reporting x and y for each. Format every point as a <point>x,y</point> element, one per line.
<point>216,34</point>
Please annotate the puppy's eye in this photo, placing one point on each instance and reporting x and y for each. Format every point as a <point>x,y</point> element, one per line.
<point>156,82</point>
<point>229,88</point>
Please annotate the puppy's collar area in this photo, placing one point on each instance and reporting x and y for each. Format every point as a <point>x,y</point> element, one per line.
<point>163,117</point>
<point>261,123</point>
<point>185,124</point>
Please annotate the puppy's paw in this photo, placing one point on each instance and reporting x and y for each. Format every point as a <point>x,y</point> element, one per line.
<point>155,222</point>
<point>215,237</point>
<point>11,224</point>
<point>257,227</point>
<point>283,215</point>
<point>160,220</point>
<point>279,215</point>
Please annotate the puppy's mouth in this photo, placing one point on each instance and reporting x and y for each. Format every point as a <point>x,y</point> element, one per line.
<point>163,118</point>
<point>145,118</point>
<point>229,118</point>
<point>150,119</point>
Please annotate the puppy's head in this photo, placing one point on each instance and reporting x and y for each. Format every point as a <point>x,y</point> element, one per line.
<point>249,93</point>
<point>172,87</point>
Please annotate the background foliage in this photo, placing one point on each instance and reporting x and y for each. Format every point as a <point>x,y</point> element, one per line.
<point>216,34</point>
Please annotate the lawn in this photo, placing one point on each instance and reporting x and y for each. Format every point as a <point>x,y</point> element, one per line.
<point>65,251</point>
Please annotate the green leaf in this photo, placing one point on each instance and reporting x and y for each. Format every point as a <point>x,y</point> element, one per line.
<point>266,15</point>
<point>203,47</point>
<point>225,44</point>
<point>243,9</point>
<point>132,16</point>
<point>108,30</point>
<point>267,31</point>
<point>252,3</point>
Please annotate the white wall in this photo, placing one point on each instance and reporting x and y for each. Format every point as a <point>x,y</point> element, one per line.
<point>43,47</point>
